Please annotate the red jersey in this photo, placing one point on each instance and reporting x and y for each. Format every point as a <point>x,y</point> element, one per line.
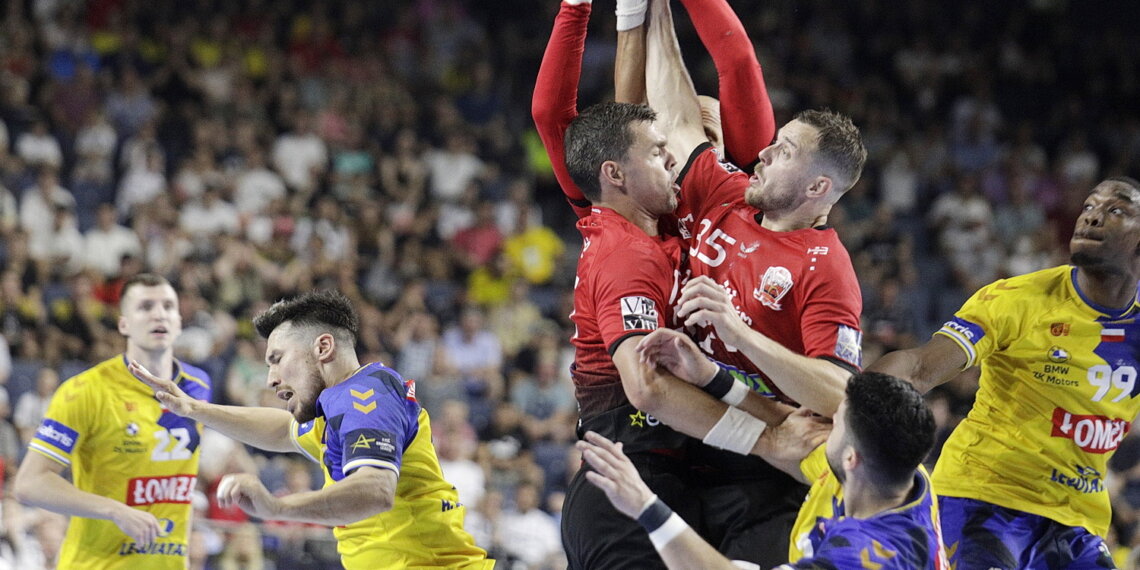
<point>798,287</point>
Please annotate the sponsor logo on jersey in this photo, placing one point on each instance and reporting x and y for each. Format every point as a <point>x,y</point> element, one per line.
<point>165,527</point>
<point>57,434</point>
<point>1059,329</point>
<point>132,429</point>
<point>1093,434</point>
<point>1085,480</point>
<point>817,250</point>
<point>642,419</point>
<point>163,548</point>
<point>965,329</point>
<point>774,284</point>
<point>370,443</point>
<point>638,313</point>
<point>410,389</point>
<point>849,345</point>
<point>153,490</point>
<point>1058,354</point>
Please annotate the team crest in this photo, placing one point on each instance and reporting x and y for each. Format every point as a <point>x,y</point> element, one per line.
<point>1058,354</point>
<point>638,313</point>
<point>775,283</point>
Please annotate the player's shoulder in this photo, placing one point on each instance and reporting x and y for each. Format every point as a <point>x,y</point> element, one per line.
<point>1045,288</point>
<point>606,233</point>
<point>97,377</point>
<point>193,380</point>
<point>366,382</point>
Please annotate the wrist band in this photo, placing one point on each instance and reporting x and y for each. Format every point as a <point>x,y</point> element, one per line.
<point>654,516</point>
<point>725,388</point>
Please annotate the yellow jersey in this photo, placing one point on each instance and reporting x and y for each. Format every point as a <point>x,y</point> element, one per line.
<point>372,419</point>
<point>119,442</point>
<point>1057,394</point>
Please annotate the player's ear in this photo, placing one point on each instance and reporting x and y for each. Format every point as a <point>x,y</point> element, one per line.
<point>324,347</point>
<point>123,325</point>
<point>611,174</point>
<point>820,187</point>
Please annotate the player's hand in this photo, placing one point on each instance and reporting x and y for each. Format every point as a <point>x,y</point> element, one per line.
<point>678,354</point>
<point>247,492</point>
<point>614,474</point>
<point>800,433</point>
<point>166,391</point>
<point>141,526</point>
<point>704,302</point>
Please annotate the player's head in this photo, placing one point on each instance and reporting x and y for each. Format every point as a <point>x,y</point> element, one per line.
<point>1107,234</point>
<point>883,430</point>
<point>615,150</point>
<point>817,157</point>
<point>301,334</point>
<point>710,121</point>
<point>148,313</point>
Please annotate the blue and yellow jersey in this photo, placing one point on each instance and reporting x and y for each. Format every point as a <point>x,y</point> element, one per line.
<point>1057,394</point>
<point>907,537</point>
<point>119,442</point>
<point>372,419</point>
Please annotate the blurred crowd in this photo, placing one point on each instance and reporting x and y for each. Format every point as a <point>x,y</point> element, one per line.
<point>251,150</point>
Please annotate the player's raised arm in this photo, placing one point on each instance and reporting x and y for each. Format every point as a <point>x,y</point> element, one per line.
<point>263,428</point>
<point>555,100</point>
<point>747,121</point>
<point>668,86</point>
<point>629,65</point>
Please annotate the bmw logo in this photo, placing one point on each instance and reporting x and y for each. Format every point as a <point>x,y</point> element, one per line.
<point>165,527</point>
<point>132,429</point>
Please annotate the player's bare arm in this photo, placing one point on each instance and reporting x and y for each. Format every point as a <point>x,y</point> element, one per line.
<point>813,382</point>
<point>926,366</point>
<point>263,428</point>
<point>669,88</point>
<point>40,483</point>
<point>362,494</point>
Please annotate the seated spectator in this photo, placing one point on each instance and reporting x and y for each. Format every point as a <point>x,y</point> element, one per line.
<point>108,242</point>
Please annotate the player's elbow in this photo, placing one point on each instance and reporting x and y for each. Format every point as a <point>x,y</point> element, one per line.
<point>24,488</point>
<point>646,392</point>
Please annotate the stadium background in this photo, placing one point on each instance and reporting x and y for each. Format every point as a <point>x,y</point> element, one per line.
<point>253,149</point>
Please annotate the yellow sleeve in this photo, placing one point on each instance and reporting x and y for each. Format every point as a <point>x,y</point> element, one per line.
<point>307,438</point>
<point>67,421</point>
<point>987,321</point>
<point>815,464</point>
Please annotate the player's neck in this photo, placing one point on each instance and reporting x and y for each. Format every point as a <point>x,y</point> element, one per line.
<point>863,500</point>
<point>340,369</point>
<point>1107,289</point>
<point>159,363</point>
<point>629,210</point>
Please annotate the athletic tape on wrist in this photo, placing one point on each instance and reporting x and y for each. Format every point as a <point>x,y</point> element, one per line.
<point>668,531</point>
<point>736,431</point>
<point>630,14</point>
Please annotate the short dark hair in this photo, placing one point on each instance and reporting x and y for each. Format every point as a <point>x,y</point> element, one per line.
<point>329,310</point>
<point>598,134</point>
<point>1135,184</point>
<point>142,280</point>
<point>890,425</point>
<point>840,146</point>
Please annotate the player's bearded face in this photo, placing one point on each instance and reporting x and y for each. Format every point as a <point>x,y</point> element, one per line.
<point>784,170</point>
<point>650,171</point>
<point>307,393</point>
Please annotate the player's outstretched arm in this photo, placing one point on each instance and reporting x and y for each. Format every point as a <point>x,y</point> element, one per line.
<point>365,492</point>
<point>263,428</point>
<point>813,382</point>
<point>745,109</point>
<point>40,483</point>
<point>555,100</point>
<point>677,543</point>
<point>926,366</point>
<point>629,66</point>
<point>669,88</point>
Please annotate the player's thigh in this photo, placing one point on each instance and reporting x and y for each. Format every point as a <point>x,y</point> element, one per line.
<point>1068,548</point>
<point>980,535</point>
<point>752,521</point>
<point>596,535</point>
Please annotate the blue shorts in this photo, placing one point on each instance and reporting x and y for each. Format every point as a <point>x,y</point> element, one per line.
<point>984,536</point>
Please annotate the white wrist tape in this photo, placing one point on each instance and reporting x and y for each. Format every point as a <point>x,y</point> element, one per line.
<point>576,2</point>
<point>668,531</point>
<point>630,14</point>
<point>736,394</point>
<point>737,431</point>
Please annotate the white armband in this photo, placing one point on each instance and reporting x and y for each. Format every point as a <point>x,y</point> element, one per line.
<point>665,533</point>
<point>737,431</point>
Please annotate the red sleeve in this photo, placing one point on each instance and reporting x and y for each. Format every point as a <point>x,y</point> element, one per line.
<point>632,292</point>
<point>745,109</point>
<point>829,320</point>
<point>555,99</point>
<point>707,181</point>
